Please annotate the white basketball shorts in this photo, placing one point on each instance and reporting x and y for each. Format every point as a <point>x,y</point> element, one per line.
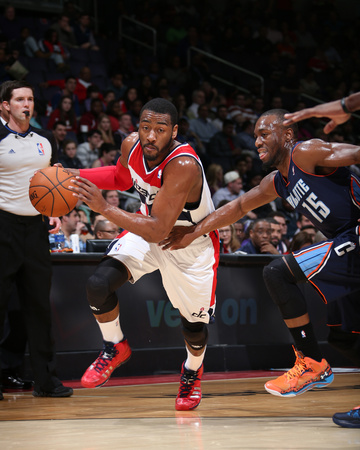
<point>189,275</point>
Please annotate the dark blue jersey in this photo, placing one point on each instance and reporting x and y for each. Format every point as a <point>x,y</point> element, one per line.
<point>331,202</point>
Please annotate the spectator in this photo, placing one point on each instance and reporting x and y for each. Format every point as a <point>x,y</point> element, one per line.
<point>113,111</point>
<point>65,32</point>
<point>300,240</point>
<point>104,126</point>
<point>83,33</point>
<point>92,92</point>
<point>214,177</point>
<point>107,155</point>
<point>112,197</point>
<point>135,108</point>
<point>221,115</point>
<point>246,136</point>
<point>241,105</point>
<point>259,238</point>
<point>80,89</point>
<point>130,96</point>
<point>240,231</point>
<point>275,238</point>
<point>88,120</point>
<point>198,99</point>
<point>232,189</point>
<point>104,229</point>
<point>30,46</point>
<point>117,85</point>
<point>10,25</point>
<point>229,242</point>
<point>68,89</point>
<point>59,132</point>
<point>69,159</point>
<point>125,128</point>
<point>109,96</point>
<point>64,113</point>
<point>180,104</point>
<point>71,224</point>
<point>202,126</point>
<point>146,89</point>
<point>88,152</point>
<point>282,220</point>
<point>176,74</point>
<point>186,135</point>
<point>50,44</point>
<point>223,147</point>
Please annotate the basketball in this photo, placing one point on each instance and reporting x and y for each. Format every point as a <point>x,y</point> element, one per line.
<point>49,192</point>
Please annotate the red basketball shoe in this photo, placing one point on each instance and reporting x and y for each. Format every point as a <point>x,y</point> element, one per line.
<point>111,357</point>
<point>189,396</point>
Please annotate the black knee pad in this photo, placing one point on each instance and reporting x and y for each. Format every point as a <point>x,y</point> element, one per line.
<point>100,299</point>
<point>195,334</point>
<point>282,286</point>
<point>101,286</point>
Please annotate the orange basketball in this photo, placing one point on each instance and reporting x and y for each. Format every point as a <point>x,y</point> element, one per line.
<point>49,192</point>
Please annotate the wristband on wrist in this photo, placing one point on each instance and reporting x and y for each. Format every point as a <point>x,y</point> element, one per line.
<point>344,107</point>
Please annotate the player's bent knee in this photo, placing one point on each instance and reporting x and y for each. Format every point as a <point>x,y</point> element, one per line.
<point>101,299</point>
<point>282,286</point>
<point>195,334</point>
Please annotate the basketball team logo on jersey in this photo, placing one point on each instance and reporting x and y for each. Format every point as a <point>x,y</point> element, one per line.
<point>40,149</point>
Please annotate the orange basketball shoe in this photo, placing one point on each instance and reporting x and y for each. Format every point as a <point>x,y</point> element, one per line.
<point>306,374</point>
<point>189,395</point>
<point>111,357</point>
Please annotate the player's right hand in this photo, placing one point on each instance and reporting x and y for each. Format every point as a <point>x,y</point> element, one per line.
<point>179,237</point>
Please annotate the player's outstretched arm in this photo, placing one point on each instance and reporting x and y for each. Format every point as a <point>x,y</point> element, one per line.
<point>339,111</point>
<point>181,237</point>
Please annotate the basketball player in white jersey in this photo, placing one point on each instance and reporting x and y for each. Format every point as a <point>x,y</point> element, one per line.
<point>171,184</point>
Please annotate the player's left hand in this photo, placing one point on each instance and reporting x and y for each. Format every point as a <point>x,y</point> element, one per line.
<point>87,192</point>
<point>56,223</point>
<point>179,237</point>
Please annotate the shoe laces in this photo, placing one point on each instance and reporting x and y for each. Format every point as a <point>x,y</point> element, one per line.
<point>299,367</point>
<point>187,381</point>
<point>106,355</point>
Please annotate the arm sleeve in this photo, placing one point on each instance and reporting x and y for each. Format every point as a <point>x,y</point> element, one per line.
<point>109,177</point>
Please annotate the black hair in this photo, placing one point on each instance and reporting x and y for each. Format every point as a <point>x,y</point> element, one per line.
<point>161,106</point>
<point>92,132</point>
<point>58,122</point>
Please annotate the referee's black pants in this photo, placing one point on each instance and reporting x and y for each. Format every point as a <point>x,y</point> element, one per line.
<point>25,260</point>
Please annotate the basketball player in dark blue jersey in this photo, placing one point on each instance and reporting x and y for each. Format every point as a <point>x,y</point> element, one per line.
<point>313,177</point>
<point>339,112</point>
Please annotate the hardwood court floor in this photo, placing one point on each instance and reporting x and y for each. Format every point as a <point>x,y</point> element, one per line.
<point>235,413</point>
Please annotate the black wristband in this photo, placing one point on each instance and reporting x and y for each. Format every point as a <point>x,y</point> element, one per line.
<point>344,107</point>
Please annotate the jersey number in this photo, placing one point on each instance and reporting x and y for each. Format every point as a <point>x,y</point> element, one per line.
<point>317,209</point>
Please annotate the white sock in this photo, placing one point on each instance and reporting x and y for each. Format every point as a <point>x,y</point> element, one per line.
<point>111,331</point>
<point>194,362</point>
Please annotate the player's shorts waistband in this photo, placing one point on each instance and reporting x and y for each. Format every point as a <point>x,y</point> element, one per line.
<point>15,218</point>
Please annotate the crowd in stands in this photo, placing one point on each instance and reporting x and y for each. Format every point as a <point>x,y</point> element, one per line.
<point>90,87</point>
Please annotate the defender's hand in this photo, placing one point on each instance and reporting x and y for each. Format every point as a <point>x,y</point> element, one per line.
<point>179,237</point>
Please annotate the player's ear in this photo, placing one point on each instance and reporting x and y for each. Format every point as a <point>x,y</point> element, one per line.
<point>174,131</point>
<point>6,105</point>
<point>289,134</point>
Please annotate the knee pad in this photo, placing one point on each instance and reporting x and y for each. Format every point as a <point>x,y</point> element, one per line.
<point>100,298</point>
<point>282,286</point>
<point>195,334</point>
<point>101,286</point>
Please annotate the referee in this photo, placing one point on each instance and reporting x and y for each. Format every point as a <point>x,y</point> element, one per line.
<point>24,245</point>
